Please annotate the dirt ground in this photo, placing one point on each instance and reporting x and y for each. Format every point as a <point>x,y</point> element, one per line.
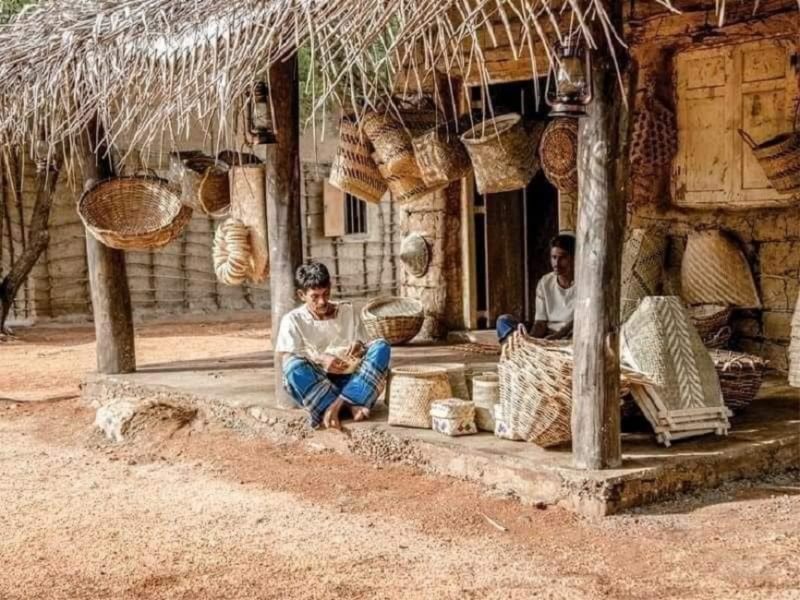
<point>186,509</point>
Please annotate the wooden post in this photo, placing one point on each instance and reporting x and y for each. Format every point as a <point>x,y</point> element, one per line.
<point>108,280</point>
<point>284,223</point>
<point>600,232</point>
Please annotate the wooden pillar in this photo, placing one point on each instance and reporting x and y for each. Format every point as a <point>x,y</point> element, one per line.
<point>600,233</point>
<point>108,280</point>
<point>283,202</point>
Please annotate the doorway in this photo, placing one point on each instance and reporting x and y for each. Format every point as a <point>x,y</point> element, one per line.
<point>512,229</point>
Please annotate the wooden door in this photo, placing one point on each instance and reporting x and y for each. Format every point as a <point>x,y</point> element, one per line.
<point>505,255</point>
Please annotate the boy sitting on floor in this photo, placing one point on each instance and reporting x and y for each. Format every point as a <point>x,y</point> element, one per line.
<point>321,342</point>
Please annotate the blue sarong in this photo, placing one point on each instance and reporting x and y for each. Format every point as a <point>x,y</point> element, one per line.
<point>315,390</point>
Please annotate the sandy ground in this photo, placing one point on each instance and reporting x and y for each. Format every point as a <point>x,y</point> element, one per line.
<point>185,509</point>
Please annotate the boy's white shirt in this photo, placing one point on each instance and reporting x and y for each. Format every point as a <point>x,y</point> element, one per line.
<point>303,334</point>
<point>554,304</point>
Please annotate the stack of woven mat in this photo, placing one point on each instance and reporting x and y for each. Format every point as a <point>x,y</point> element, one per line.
<point>681,397</point>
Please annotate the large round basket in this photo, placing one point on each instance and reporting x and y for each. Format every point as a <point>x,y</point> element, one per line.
<point>353,170</point>
<point>740,377</point>
<point>205,186</point>
<point>712,323</point>
<point>441,156</point>
<point>397,320</point>
<point>780,159</point>
<point>133,213</point>
<point>413,389</point>
<point>504,153</point>
<point>558,152</point>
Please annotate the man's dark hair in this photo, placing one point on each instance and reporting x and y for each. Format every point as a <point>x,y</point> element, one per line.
<point>566,242</point>
<point>312,276</point>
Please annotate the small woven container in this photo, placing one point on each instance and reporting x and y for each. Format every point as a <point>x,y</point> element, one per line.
<point>395,319</point>
<point>558,153</point>
<point>453,417</point>
<point>441,156</point>
<point>485,395</point>
<point>504,153</point>
<point>780,159</point>
<point>456,375</point>
<point>353,170</point>
<point>176,168</point>
<point>406,189</point>
<point>740,377</point>
<point>501,427</point>
<point>133,213</point>
<point>413,390</point>
<point>205,186</point>
<point>233,261</point>
<point>712,323</point>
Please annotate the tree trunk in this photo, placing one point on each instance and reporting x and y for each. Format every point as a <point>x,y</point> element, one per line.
<point>108,279</point>
<point>283,203</point>
<point>601,223</point>
<point>38,238</point>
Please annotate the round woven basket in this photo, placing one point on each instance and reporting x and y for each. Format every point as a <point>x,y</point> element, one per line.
<point>406,189</point>
<point>133,213</point>
<point>485,394</point>
<point>413,390</point>
<point>711,322</point>
<point>504,153</point>
<point>457,376</point>
<point>558,153</point>
<point>780,159</point>
<point>740,377</point>
<point>233,260</point>
<point>205,186</point>
<point>441,156</point>
<point>395,319</point>
<point>353,170</point>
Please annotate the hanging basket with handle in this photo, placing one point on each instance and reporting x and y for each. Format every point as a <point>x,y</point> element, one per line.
<point>353,170</point>
<point>205,186</point>
<point>441,156</point>
<point>133,212</point>
<point>780,159</point>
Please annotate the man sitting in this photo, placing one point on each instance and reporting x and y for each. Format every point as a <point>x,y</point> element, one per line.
<point>321,339</point>
<point>555,296</point>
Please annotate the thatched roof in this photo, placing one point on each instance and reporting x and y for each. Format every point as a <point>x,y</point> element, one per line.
<point>150,67</point>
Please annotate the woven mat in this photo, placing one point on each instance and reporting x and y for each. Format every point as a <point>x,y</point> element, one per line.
<point>642,268</point>
<point>475,348</point>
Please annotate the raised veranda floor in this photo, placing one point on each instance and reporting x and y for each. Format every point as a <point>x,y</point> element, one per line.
<point>239,391</point>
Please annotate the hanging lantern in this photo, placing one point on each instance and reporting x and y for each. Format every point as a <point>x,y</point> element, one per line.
<point>259,115</point>
<point>572,90</point>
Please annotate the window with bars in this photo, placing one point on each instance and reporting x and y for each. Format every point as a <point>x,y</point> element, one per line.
<point>355,215</point>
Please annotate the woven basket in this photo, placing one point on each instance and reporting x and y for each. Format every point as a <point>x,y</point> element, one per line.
<point>485,395</point>
<point>133,213</point>
<point>353,170</point>
<point>391,133</point>
<point>780,159</point>
<point>740,377</point>
<point>456,375</point>
<point>441,156</point>
<point>654,135</point>
<point>558,153</point>
<point>205,186</point>
<point>711,322</point>
<point>176,168</point>
<point>406,189</point>
<point>504,153</point>
<point>233,261</point>
<point>714,271</point>
<point>413,390</point>
<point>248,205</point>
<point>453,417</point>
<point>395,319</point>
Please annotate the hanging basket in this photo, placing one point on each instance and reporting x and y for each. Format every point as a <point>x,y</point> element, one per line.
<point>405,189</point>
<point>654,135</point>
<point>780,159</point>
<point>205,186</point>
<point>504,153</point>
<point>353,170</point>
<point>397,320</point>
<point>740,377</point>
<point>176,168</point>
<point>441,156</point>
<point>558,153</point>
<point>233,260</point>
<point>413,391</point>
<point>133,213</point>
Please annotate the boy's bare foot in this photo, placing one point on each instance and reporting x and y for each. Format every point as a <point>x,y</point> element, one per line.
<point>331,420</point>
<point>360,413</point>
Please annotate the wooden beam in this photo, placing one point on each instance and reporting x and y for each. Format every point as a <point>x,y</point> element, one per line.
<point>284,222</point>
<point>601,223</point>
<point>108,279</point>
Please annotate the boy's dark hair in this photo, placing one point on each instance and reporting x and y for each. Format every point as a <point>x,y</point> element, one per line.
<point>312,276</point>
<point>566,242</point>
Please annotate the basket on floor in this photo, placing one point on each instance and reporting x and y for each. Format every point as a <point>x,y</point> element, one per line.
<point>712,323</point>
<point>441,156</point>
<point>413,389</point>
<point>133,213</point>
<point>205,186</point>
<point>780,159</point>
<point>453,417</point>
<point>395,319</point>
<point>457,376</point>
<point>740,377</point>
<point>558,153</point>
<point>485,395</point>
<point>504,153</point>
<point>536,389</point>
<point>353,170</point>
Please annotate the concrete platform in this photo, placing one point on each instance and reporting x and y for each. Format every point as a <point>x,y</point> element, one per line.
<point>238,391</point>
